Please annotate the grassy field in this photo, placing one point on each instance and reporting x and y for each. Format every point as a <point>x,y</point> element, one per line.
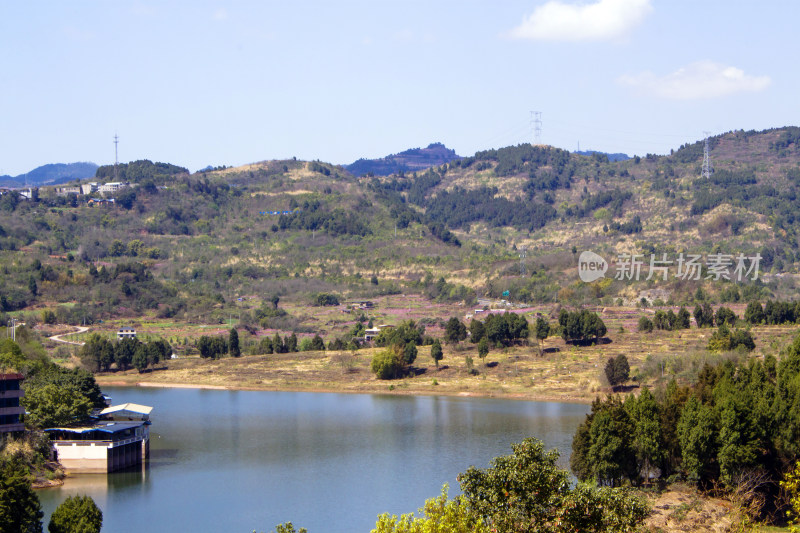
<point>564,371</point>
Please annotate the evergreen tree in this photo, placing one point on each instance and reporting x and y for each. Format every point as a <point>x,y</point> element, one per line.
<point>318,344</point>
<point>483,349</point>
<point>76,514</point>
<point>436,352</point>
<point>454,331</point>
<point>646,420</point>
<point>410,352</point>
<point>476,331</point>
<point>542,331</point>
<point>233,343</point>
<point>20,510</point>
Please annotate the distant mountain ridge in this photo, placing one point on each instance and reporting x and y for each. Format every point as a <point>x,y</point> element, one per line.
<point>408,161</point>
<point>611,157</point>
<point>51,174</point>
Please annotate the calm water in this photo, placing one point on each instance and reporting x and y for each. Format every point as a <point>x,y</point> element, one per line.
<point>235,461</point>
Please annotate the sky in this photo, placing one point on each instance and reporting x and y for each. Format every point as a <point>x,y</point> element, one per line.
<point>198,83</point>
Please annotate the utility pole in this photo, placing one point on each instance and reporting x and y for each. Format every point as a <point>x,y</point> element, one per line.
<point>706,160</point>
<point>116,157</point>
<point>536,123</point>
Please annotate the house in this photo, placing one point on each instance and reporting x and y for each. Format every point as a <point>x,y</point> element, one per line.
<point>64,191</point>
<point>371,333</point>
<point>101,201</point>
<point>119,438</point>
<point>112,187</point>
<point>126,332</point>
<point>89,188</point>
<point>10,409</point>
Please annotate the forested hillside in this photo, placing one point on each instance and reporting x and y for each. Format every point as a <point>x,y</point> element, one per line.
<point>199,247</point>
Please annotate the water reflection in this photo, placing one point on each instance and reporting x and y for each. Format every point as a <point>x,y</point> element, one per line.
<point>244,460</point>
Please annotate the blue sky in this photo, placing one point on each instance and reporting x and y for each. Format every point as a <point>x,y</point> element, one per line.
<point>200,83</point>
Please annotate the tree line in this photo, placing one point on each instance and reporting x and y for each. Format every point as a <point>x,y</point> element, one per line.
<point>737,427</point>
<point>100,353</point>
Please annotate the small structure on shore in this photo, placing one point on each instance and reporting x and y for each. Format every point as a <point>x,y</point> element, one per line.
<point>119,438</point>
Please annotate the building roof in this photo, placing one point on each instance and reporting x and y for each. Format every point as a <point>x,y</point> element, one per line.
<point>105,427</point>
<point>13,375</point>
<point>134,408</point>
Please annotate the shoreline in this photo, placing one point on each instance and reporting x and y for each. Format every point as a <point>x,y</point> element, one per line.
<point>331,390</point>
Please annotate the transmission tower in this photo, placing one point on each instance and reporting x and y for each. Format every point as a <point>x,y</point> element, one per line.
<point>706,160</point>
<point>116,157</point>
<point>536,123</point>
<point>523,253</point>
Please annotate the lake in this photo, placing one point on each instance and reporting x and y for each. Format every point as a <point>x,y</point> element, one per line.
<point>238,461</point>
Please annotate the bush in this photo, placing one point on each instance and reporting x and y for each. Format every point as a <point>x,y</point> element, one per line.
<point>387,364</point>
<point>645,324</point>
<point>324,299</point>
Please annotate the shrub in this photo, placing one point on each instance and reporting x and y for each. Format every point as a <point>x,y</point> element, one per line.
<point>387,364</point>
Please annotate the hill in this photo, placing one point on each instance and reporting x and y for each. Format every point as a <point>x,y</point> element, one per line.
<point>411,160</point>
<point>508,223</point>
<point>51,174</point>
<point>611,157</point>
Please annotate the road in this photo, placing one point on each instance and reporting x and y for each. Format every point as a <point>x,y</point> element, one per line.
<point>81,329</point>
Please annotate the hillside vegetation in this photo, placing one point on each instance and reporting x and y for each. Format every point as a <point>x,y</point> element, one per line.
<point>205,247</point>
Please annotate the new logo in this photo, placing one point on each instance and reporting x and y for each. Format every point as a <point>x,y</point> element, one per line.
<point>591,267</point>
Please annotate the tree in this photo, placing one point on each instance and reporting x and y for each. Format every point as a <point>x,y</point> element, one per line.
<point>76,514</point>
<point>436,352</point>
<point>483,349</point>
<point>278,345</point>
<point>124,350</point>
<point>754,314</point>
<point>527,493</point>
<point>139,359</point>
<point>725,316</point>
<point>542,331</point>
<point>275,299</point>
<point>410,352</point>
<point>610,455</point>
<point>476,331</point>
<point>387,364</point>
<point>32,287</point>
<point>791,484</point>
<point>51,405</point>
<point>697,433</point>
<point>684,319</point>
<point>291,343</point>
<point>439,515</point>
<point>20,510</point>
<point>317,343</point>
<point>98,353</point>
<point>617,370</point>
<point>645,324</point>
<point>645,416</point>
<point>454,331</point>
<point>233,343</point>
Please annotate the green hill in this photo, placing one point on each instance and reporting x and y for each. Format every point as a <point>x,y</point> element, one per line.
<point>201,247</point>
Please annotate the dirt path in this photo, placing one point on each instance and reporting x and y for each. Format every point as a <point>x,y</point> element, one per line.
<point>81,329</point>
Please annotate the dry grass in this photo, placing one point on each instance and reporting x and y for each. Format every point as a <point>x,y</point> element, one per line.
<point>565,372</point>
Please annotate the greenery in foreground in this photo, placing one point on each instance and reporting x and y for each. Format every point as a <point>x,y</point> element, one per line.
<point>737,428</point>
<point>524,492</point>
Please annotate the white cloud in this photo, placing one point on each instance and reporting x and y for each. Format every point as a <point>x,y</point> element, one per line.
<point>602,20</point>
<point>220,14</point>
<point>703,79</point>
